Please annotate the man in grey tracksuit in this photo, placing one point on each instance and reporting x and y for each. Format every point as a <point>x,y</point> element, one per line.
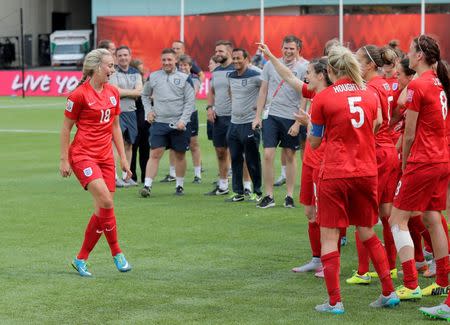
<point>173,100</point>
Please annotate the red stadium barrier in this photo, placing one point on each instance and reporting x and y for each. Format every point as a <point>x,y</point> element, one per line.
<point>53,83</point>
<point>147,36</point>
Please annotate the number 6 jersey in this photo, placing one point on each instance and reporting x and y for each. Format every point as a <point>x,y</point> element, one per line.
<point>93,113</point>
<point>347,112</point>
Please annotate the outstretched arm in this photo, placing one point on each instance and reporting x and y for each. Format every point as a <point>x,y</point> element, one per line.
<point>282,70</point>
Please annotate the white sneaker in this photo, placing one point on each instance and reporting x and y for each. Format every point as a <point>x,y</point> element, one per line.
<point>428,255</point>
<point>130,182</point>
<point>319,274</point>
<point>431,272</point>
<point>121,183</point>
<point>313,266</point>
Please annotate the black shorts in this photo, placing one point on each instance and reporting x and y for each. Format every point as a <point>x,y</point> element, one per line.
<point>220,130</point>
<point>194,124</point>
<point>162,135</point>
<point>209,130</point>
<point>128,126</point>
<point>275,132</point>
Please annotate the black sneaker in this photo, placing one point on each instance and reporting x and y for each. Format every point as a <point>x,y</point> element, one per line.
<point>197,180</point>
<point>247,192</point>
<point>145,191</point>
<point>289,202</point>
<point>168,179</point>
<point>235,198</point>
<point>266,202</point>
<point>217,191</point>
<point>179,191</point>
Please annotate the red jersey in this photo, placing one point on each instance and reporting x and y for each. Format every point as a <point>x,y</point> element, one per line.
<point>312,158</point>
<point>93,114</point>
<point>347,112</point>
<point>396,130</point>
<point>383,90</point>
<point>427,97</point>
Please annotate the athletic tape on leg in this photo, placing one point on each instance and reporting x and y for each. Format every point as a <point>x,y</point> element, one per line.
<point>402,238</point>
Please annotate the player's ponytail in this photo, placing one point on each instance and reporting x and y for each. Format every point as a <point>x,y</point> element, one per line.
<point>442,71</point>
<point>388,55</point>
<point>344,64</point>
<point>91,63</point>
<point>430,49</point>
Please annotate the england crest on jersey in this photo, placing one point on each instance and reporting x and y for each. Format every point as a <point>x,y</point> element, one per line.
<point>113,100</point>
<point>69,105</point>
<point>395,86</point>
<point>177,81</point>
<point>244,82</point>
<point>87,172</point>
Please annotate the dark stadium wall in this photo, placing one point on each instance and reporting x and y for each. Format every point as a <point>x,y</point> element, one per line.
<point>147,36</point>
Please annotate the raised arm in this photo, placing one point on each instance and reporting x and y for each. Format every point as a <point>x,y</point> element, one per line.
<point>281,69</point>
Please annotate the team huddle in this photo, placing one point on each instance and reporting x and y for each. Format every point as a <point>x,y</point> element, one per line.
<point>376,149</point>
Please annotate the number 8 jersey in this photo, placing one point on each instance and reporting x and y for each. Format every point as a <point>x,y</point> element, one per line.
<point>93,113</point>
<point>427,97</point>
<point>347,112</point>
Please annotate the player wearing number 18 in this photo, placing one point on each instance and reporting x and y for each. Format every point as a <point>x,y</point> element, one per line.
<point>347,114</point>
<point>94,107</point>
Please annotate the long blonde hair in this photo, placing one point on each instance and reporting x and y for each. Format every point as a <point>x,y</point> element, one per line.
<point>344,64</point>
<point>92,62</point>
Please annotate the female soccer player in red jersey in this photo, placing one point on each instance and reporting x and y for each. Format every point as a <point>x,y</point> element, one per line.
<point>94,107</point>
<point>348,113</point>
<point>423,186</point>
<point>372,59</point>
<point>318,80</point>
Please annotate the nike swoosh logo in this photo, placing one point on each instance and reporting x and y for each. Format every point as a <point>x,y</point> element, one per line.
<point>90,104</point>
<point>110,229</point>
<point>99,231</point>
<point>250,136</point>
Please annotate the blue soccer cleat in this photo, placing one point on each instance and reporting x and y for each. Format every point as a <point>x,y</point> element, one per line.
<point>121,263</point>
<point>81,267</point>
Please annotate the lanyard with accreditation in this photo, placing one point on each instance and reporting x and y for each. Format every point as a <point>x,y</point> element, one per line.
<point>266,111</point>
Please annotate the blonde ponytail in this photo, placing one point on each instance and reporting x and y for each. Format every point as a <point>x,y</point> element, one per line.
<point>344,64</point>
<point>92,62</point>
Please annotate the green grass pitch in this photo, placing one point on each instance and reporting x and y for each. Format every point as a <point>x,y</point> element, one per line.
<point>196,259</point>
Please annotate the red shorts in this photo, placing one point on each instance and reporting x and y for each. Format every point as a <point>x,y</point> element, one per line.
<point>88,170</point>
<point>347,201</point>
<point>387,163</point>
<point>307,186</point>
<point>423,187</point>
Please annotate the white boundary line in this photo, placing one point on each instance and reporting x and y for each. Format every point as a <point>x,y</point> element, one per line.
<point>28,131</point>
<point>41,106</point>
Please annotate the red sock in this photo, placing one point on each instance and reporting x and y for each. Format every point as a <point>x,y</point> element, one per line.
<point>445,226</point>
<point>410,279</point>
<point>331,266</point>
<point>417,239</point>
<point>380,262</point>
<point>91,237</point>
<point>389,243</point>
<point>447,301</point>
<point>314,238</point>
<point>442,271</point>
<point>108,223</point>
<point>363,256</point>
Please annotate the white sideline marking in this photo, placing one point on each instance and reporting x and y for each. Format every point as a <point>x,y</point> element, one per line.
<point>41,106</point>
<point>28,131</point>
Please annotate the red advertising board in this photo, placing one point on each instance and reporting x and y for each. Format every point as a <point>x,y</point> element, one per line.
<point>53,83</point>
<point>147,36</point>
